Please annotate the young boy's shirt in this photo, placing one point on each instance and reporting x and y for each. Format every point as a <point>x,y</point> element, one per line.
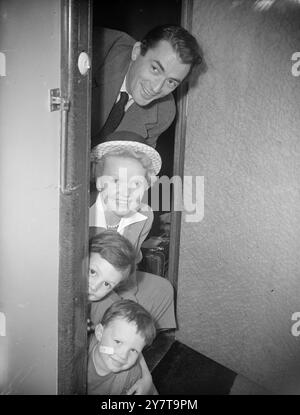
<point>98,308</point>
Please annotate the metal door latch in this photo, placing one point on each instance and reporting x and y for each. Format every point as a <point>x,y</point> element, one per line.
<point>90,326</point>
<point>57,102</point>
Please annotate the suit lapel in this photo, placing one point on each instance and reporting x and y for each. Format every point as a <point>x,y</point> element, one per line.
<point>146,115</point>
<point>110,83</point>
<point>108,87</point>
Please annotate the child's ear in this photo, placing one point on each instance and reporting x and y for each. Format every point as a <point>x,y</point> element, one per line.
<point>136,50</point>
<point>99,332</point>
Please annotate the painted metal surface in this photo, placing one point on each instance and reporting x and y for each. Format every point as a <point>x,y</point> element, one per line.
<point>29,196</point>
<point>43,239</point>
<point>239,266</point>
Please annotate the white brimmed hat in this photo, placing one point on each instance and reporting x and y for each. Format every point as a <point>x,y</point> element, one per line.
<point>122,140</point>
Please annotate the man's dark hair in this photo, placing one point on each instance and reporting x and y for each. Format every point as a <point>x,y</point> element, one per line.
<point>181,40</point>
<point>131,311</point>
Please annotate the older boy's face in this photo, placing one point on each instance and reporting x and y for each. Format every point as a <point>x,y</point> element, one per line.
<point>123,183</point>
<point>126,342</point>
<point>155,74</point>
<point>103,277</point>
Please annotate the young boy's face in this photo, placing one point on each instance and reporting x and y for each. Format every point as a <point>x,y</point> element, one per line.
<point>103,277</point>
<point>127,345</point>
<point>123,182</point>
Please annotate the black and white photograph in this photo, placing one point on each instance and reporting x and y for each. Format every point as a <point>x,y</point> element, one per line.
<point>149,201</point>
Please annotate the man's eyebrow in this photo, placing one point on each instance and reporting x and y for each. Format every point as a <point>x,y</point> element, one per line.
<point>159,64</point>
<point>163,70</point>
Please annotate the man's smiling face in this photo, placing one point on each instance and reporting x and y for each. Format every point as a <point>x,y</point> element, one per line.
<point>155,74</point>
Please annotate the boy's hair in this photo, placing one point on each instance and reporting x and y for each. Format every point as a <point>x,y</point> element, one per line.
<point>132,312</point>
<point>180,39</point>
<point>130,153</point>
<point>116,249</point>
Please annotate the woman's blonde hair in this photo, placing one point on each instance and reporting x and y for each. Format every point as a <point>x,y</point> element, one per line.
<point>145,161</point>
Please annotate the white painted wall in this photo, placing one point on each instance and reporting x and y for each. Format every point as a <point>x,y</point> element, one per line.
<point>29,196</point>
<point>239,271</point>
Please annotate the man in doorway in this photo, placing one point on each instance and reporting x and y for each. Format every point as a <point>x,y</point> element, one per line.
<point>139,77</point>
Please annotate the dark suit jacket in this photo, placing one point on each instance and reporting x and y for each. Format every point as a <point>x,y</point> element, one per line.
<point>111,58</point>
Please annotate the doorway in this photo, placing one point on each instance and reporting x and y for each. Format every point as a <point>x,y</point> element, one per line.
<point>136,18</point>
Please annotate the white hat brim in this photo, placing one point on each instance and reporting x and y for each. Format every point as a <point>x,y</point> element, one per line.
<point>101,149</point>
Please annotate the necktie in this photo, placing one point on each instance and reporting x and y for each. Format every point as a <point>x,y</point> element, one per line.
<point>115,117</point>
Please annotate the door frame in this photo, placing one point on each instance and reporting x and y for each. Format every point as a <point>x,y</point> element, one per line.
<point>74,197</point>
<point>179,154</point>
<point>75,90</point>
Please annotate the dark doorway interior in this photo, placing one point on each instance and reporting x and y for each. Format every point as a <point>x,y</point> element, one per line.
<point>172,376</point>
<point>137,17</point>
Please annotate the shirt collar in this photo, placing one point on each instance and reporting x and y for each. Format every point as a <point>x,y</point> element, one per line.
<point>97,217</point>
<point>130,97</point>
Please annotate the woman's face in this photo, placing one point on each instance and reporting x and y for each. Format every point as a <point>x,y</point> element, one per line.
<point>122,184</point>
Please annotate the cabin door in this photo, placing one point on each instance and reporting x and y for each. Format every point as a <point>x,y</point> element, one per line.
<point>45,48</point>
